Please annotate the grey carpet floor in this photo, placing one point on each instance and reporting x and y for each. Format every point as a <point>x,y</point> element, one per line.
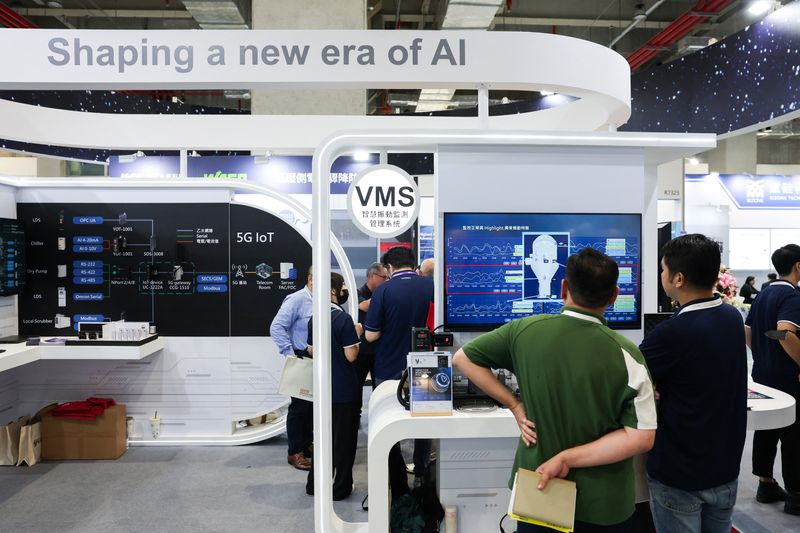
<point>218,489</point>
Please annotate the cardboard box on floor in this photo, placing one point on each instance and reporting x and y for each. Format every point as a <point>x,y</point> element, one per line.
<point>69,438</point>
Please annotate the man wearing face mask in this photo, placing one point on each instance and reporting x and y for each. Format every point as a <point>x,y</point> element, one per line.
<point>345,391</point>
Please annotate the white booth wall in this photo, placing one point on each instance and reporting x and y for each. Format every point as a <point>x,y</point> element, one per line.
<point>551,180</point>
<point>199,385</point>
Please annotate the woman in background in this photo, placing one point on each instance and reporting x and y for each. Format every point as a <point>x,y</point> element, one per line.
<point>749,290</point>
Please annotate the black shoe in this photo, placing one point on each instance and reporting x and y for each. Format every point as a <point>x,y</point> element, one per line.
<point>770,493</point>
<point>792,505</point>
<point>343,495</point>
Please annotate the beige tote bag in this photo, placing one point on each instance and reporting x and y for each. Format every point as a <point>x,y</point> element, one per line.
<point>9,441</point>
<point>30,443</point>
<point>297,379</point>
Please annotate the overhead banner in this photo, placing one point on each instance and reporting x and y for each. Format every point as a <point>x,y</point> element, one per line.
<point>763,191</point>
<point>284,59</point>
<point>352,58</point>
<point>289,174</point>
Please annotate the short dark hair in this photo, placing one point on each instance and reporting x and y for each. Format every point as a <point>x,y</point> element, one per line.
<point>399,257</point>
<point>772,276</point>
<point>696,256</point>
<point>748,279</point>
<point>337,282</point>
<point>784,258</point>
<point>591,277</point>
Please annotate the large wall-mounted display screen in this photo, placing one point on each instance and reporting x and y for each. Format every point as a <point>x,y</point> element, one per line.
<point>502,266</point>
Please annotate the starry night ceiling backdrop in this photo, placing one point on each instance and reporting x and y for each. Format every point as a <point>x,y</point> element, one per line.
<point>101,102</point>
<point>747,78</point>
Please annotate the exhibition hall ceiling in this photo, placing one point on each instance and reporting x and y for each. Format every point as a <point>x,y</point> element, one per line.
<point>600,21</point>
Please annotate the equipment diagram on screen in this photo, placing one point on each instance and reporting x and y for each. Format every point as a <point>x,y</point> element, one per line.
<point>547,257</point>
<point>192,269</point>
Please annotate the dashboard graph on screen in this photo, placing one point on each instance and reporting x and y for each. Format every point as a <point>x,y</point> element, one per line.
<point>503,266</point>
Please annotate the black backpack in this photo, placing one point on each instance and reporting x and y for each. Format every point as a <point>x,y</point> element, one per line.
<point>418,512</point>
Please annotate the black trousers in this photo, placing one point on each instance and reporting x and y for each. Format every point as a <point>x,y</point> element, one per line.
<point>765,448</point>
<point>581,527</point>
<point>344,419</point>
<point>300,421</point>
<point>364,365</point>
<point>300,425</point>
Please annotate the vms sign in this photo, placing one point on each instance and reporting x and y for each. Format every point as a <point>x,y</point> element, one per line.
<point>383,201</point>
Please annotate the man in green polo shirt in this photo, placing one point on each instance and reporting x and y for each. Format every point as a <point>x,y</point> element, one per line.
<point>587,404</point>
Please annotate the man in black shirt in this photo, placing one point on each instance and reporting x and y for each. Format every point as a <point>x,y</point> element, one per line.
<point>772,276</point>
<point>376,275</point>
<point>698,363</point>
<point>775,364</point>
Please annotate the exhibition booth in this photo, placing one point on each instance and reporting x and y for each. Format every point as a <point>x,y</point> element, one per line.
<point>206,263</point>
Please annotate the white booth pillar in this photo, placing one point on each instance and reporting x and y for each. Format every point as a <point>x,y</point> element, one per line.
<point>310,15</point>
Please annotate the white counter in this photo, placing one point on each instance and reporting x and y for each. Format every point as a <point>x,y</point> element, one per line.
<point>390,423</point>
<point>17,355</point>
<point>21,354</point>
<point>776,412</point>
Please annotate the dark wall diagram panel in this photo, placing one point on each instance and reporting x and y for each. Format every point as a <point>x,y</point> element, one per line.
<point>269,260</point>
<point>12,257</point>
<point>161,263</point>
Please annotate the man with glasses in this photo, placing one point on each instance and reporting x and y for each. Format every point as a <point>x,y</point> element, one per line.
<point>376,275</point>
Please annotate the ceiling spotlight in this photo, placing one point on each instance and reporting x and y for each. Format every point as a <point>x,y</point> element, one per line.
<point>760,7</point>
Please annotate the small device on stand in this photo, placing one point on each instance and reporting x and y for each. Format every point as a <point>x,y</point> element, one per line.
<point>424,342</point>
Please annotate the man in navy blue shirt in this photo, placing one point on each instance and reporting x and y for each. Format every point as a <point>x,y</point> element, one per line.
<point>345,391</point>
<point>698,363</point>
<point>397,306</point>
<point>775,364</point>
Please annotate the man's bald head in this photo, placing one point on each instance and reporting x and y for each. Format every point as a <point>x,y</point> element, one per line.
<point>426,268</point>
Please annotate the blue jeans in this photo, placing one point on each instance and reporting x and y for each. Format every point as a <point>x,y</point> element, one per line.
<point>580,527</point>
<point>696,511</point>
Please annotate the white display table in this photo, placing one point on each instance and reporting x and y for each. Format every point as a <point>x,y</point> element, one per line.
<point>21,354</point>
<point>17,355</point>
<point>776,412</point>
<point>389,423</point>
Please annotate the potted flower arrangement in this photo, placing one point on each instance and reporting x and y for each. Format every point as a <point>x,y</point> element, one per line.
<point>726,287</point>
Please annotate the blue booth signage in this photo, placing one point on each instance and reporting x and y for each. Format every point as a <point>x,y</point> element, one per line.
<point>762,191</point>
<point>289,174</point>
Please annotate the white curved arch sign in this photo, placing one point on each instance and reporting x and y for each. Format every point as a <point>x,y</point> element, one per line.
<point>179,59</point>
